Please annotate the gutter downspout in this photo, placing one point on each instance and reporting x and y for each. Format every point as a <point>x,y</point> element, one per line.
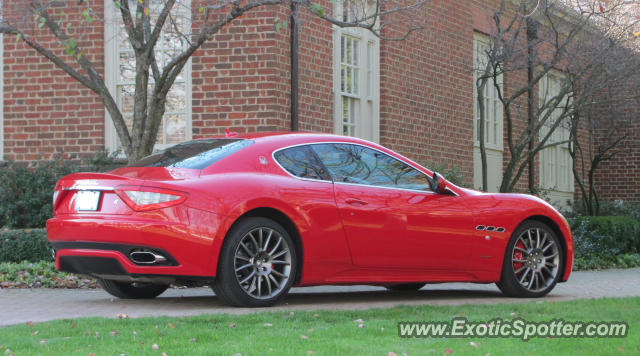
<point>294,66</point>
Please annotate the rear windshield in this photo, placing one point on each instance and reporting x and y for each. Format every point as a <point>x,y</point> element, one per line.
<point>197,154</point>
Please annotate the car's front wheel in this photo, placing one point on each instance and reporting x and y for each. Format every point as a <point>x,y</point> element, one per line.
<point>132,290</point>
<point>257,264</point>
<point>532,262</point>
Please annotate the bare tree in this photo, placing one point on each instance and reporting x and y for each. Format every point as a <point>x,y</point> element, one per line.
<point>538,38</point>
<point>145,20</point>
<point>603,139</point>
<point>608,112</point>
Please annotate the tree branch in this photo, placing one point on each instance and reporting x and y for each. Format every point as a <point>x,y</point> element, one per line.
<point>96,79</point>
<point>157,29</point>
<point>6,29</point>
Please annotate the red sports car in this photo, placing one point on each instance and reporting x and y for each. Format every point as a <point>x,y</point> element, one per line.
<point>253,215</point>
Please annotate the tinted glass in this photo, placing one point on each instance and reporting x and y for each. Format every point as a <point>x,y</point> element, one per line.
<point>301,162</point>
<point>362,165</point>
<point>197,154</point>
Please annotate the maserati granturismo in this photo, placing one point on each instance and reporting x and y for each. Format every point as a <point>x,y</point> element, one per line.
<point>253,215</point>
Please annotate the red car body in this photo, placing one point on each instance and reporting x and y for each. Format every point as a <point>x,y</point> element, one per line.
<point>344,233</point>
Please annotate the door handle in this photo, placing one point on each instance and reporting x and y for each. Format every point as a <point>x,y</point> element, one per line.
<point>354,201</point>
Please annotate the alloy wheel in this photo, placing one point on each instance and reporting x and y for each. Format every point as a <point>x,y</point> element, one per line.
<point>535,259</point>
<point>262,263</point>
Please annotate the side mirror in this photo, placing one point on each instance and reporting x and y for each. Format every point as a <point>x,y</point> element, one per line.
<point>439,184</point>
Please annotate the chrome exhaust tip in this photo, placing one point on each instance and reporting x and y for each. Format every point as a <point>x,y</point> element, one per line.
<point>146,257</point>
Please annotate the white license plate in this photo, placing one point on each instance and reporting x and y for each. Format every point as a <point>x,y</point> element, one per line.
<point>87,200</point>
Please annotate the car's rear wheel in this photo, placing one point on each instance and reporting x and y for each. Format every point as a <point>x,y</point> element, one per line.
<point>405,286</point>
<point>132,290</point>
<point>532,262</point>
<point>257,264</point>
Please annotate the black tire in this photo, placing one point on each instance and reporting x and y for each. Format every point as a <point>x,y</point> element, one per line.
<point>229,285</point>
<point>404,287</point>
<point>538,278</point>
<point>128,290</point>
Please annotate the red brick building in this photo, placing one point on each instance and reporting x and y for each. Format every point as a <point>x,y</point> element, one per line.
<point>415,96</point>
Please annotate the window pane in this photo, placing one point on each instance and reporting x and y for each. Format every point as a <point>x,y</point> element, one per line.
<point>197,154</point>
<point>125,98</point>
<point>354,48</point>
<point>127,67</point>
<point>355,82</point>
<point>361,165</point>
<point>492,106</point>
<point>175,128</point>
<point>123,38</point>
<point>301,162</point>
<point>176,98</point>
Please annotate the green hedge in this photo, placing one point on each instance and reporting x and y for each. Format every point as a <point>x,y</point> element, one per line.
<point>626,260</point>
<point>26,191</point>
<point>24,245</point>
<point>605,235</point>
<point>451,173</point>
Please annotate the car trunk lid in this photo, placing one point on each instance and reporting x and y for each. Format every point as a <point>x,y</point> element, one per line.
<point>95,193</point>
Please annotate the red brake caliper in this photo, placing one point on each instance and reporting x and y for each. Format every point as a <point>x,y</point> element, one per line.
<point>517,255</point>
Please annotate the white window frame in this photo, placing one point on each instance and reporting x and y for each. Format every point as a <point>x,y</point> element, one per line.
<point>367,108</point>
<point>495,120</point>
<point>494,116</point>
<point>555,162</point>
<point>112,73</point>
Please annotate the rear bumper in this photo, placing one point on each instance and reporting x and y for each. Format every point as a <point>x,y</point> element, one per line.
<point>102,246</point>
<point>107,260</point>
<point>112,268</point>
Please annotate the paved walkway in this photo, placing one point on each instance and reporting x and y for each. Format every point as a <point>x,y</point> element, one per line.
<point>22,305</point>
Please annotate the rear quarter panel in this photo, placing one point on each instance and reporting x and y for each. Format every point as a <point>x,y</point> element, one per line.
<point>310,205</point>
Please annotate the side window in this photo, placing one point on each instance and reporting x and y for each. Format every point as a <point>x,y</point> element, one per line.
<point>362,165</point>
<point>301,162</point>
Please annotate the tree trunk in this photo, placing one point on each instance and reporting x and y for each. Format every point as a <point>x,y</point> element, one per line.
<point>481,133</point>
<point>532,35</point>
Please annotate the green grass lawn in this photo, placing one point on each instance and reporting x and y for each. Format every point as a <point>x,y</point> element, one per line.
<point>322,332</point>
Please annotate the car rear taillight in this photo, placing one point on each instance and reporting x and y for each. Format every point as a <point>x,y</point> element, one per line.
<point>149,198</point>
<point>58,195</point>
<point>55,197</point>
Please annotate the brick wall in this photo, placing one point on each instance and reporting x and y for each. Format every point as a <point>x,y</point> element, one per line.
<point>426,92</point>
<point>618,178</point>
<point>46,113</point>
<point>315,72</point>
<point>241,77</point>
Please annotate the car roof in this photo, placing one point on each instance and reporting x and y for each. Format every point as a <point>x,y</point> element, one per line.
<point>286,138</point>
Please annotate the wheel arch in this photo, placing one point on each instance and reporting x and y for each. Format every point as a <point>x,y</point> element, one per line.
<point>286,222</point>
<point>556,229</point>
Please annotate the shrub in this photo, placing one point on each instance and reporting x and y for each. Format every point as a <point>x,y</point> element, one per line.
<point>24,245</point>
<point>41,274</point>
<point>605,235</point>
<point>627,260</point>
<point>103,161</point>
<point>26,190</point>
<point>452,174</point>
<point>610,208</point>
